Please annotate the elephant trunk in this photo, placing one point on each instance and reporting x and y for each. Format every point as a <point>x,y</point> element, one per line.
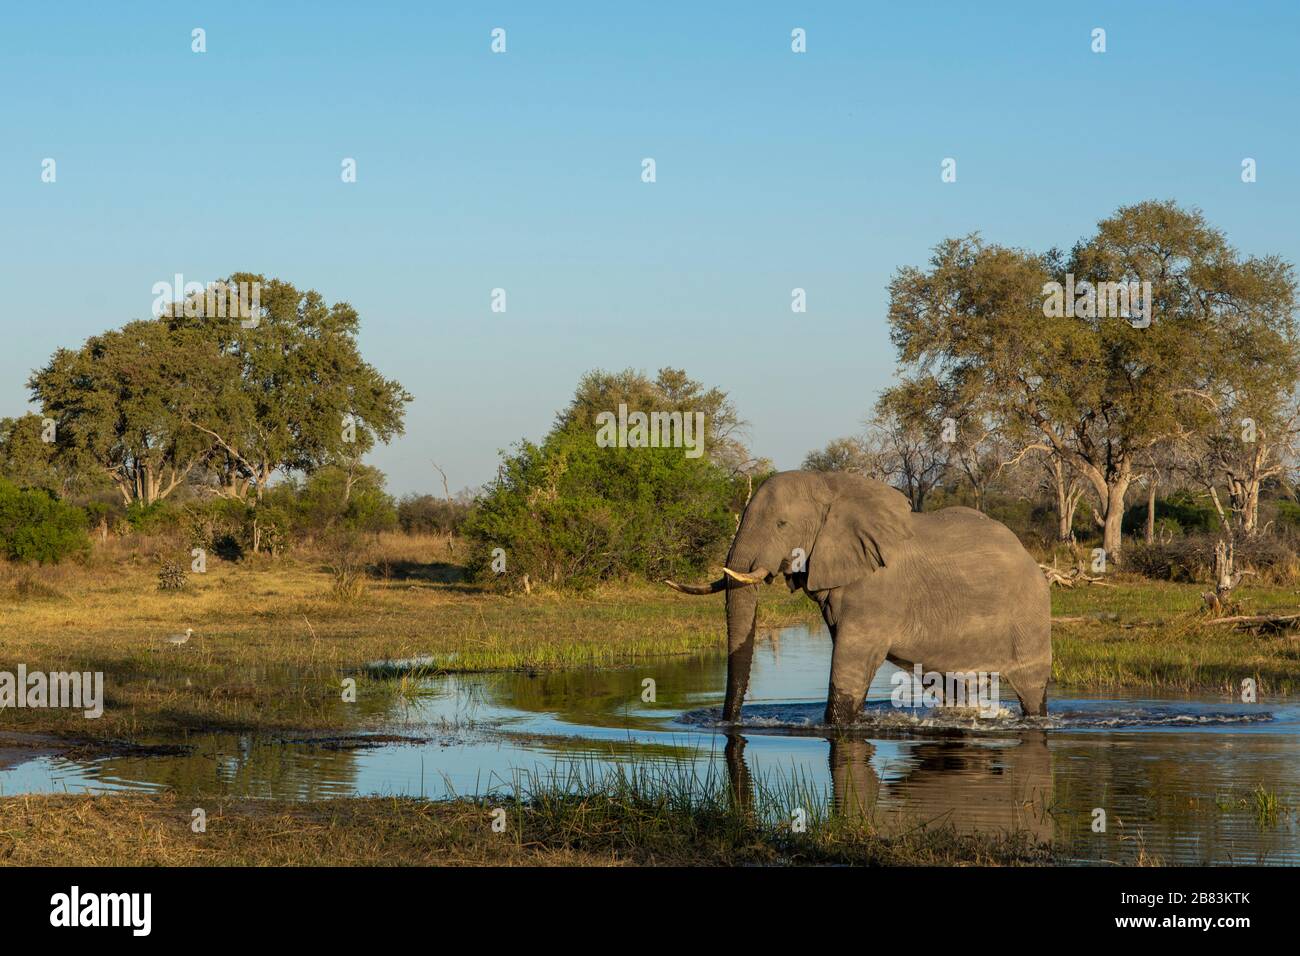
<point>742,614</point>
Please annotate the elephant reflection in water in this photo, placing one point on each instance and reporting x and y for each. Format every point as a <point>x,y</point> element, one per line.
<point>969,785</point>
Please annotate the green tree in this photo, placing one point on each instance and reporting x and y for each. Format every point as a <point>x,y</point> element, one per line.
<point>121,405</point>
<point>26,458</point>
<point>1098,390</point>
<point>670,390</point>
<point>570,512</point>
<point>851,454</point>
<point>334,497</point>
<point>295,393</point>
<point>204,390</point>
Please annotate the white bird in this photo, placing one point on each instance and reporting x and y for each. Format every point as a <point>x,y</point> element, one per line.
<point>180,638</point>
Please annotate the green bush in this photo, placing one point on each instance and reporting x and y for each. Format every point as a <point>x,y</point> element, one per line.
<point>275,530</point>
<point>1167,527</point>
<point>156,518</point>
<point>334,499</point>
<point>1288,514</point>
<point>36,526</point>
<point>569,512</point>
<point>1188,513</point>
<point>1190,557</point>
<point>425,514</point>
<point>221,526</point>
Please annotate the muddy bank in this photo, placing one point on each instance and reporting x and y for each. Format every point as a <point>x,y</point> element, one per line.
<point>17,747</point>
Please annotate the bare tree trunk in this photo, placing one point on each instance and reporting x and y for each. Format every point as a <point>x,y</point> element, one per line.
<point>1065,503</point>
<point>1151,510</point>
<point>451,532</point>
<point>257,527</point>
<point>1250,507</point>
<point>1225,578</point>
<point>1064,521</point>
<point>1112,524</point>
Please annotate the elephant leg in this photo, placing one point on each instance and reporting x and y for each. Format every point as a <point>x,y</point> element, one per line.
<point>854,662</point>
<point>1033,699</point>
<point>1031,688</point>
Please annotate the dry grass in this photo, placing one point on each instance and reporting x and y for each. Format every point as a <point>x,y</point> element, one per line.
<point>157,831</point>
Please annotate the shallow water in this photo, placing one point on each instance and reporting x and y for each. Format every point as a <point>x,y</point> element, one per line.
<point>1176,776</point>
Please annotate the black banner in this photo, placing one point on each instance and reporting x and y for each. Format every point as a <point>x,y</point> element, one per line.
<point>327,906</point>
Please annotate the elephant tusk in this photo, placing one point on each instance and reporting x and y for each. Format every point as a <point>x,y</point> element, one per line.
<point>757,576</point>
<point>711,588</point>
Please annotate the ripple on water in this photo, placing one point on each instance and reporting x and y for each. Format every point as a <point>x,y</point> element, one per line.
<point>882,715</point>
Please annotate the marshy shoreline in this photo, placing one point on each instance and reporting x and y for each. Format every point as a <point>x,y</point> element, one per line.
<point>273,648</point>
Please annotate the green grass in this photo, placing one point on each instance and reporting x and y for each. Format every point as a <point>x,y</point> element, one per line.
<point>1154,635</point>
<point>1142,598</point>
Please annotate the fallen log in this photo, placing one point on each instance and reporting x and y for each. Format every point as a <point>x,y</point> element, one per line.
<point>1240,621</point>
<point>1263,621</point>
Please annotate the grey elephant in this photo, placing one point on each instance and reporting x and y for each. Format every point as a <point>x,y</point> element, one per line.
<point>952,591</point>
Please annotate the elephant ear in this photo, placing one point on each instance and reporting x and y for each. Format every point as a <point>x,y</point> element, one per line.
<point>862,531</point>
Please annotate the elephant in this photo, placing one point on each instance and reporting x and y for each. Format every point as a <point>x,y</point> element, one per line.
<point>953,590</point>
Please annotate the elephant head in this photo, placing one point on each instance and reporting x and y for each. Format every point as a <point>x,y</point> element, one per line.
<point>821,531</point>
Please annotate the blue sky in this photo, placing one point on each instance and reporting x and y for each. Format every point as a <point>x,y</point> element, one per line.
<point>522,171</point>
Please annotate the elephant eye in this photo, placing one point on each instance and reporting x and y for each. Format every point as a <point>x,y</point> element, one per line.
<point>781,524</point>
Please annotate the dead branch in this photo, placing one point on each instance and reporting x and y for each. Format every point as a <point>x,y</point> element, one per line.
<point>1073,577</point>
<point>1257,621</point>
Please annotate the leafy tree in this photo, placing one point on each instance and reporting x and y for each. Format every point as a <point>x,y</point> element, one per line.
<point>296,394</point>
<point>121,405</point>
<point>333,498</point>
<point>852,454</point>
<point>428,514</point>
<point>26,458</point>
<point>1096,389</point>
<point>206,391</point>
<point>670,390</point>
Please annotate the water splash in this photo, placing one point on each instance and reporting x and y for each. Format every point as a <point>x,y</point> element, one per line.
<point>883,716</point>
